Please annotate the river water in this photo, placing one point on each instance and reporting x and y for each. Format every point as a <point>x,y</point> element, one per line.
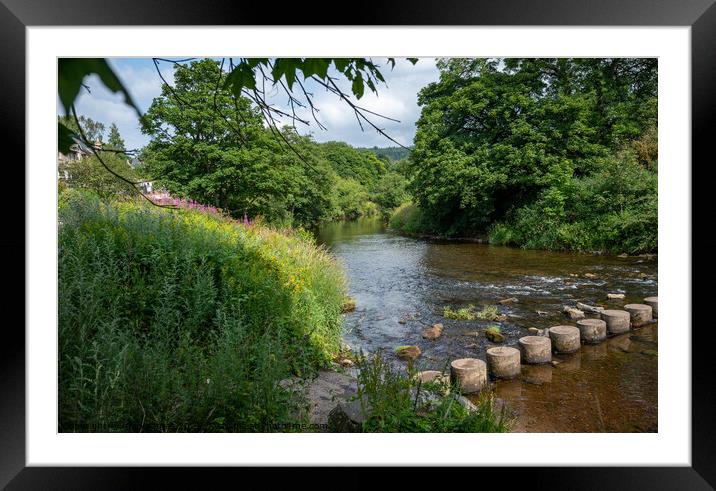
<point>402,284</point>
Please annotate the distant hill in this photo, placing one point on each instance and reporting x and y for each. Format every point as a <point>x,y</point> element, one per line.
<point>393,153</point>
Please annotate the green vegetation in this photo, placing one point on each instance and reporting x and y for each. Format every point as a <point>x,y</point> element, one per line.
<point>489,312</point>
<point>186,320</point>
<point>400,403</point>
<point>539,153</point>
<point>389,153</point>
<point>462,314</point>
<point>494,329</point>
<point>212,147</point>
<point>408,218</point>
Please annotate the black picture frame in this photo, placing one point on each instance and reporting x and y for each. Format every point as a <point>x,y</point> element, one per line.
<point>16,15</point>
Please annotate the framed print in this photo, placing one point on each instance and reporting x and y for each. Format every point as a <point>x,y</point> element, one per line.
<point>436,241</point>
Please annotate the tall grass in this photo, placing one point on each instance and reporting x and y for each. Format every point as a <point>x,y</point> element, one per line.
<point>185,321</point>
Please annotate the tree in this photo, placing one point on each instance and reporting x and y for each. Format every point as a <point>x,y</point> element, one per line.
<point>114,139</point>
<point>93,130</point>
<point>210,146</point>
<point>494,135</point>
<point>89,173</point>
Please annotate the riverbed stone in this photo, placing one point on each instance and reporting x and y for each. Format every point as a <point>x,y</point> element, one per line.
<point>508,300</point>
<point>592,331</point>
<point>432,376</point>
<point>408,353</point>
<point>494,335</point>
<point>565,339</point>
<point>469,373</point>
<point>653,302</point>
<point>589,308</point>
<point>615,296</point>
<point>640,313</point>
<point>433,332</point>
<point>533,330</point>
<point>618,321</point>
<point>504,362</point>
<point>573,313</point>
<point>535,349</point>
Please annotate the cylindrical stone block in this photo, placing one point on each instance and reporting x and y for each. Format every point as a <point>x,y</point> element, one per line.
<point>504,362</point>
<point>565,339</point>
<point>470,373</point>
<point>536,349</point>
<point>639,312</point>
<point>653,302</point>
<point>617,321</point>
<point>592,331</point>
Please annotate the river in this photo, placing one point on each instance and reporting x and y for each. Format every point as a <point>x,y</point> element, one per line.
<point>402,284</point>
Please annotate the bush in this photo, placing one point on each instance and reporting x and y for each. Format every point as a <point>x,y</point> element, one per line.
<point>615,210</point>
<point>185,321</point>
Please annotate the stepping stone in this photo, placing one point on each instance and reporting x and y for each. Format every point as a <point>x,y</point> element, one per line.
<point>504,362</point>
<point>618,321</point>
<point>469,373</point>
<point>564,338</point>
<point>640,313</point>
<point>653,302</point>
<point>535,349</point>
<point>592,331</point>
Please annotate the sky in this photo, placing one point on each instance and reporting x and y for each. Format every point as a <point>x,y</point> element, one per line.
<point>397,99</point>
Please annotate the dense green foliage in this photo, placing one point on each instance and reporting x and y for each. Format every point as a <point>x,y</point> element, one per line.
<point>389,153</point>
<point>399,403</point>
<point>212,147</point>
<point>546,153</point>
<point>185,321</point>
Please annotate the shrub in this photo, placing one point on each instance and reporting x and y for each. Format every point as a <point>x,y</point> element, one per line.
<point>185,321</point>
<point>615,210</point>
<point>400,403</point>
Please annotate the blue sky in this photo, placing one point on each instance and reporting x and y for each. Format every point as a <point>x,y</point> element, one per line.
<point>397,99</point>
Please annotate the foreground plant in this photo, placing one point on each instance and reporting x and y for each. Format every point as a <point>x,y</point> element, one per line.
<point>397,401</point>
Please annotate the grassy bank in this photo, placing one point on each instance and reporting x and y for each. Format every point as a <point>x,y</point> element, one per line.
<point>185,320</point>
